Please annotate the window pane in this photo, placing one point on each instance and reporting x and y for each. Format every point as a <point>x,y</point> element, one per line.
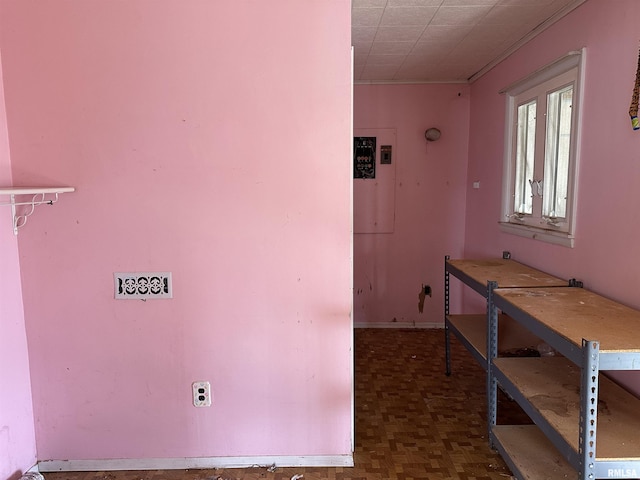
<point>525,150</point>
<point>556,159</point>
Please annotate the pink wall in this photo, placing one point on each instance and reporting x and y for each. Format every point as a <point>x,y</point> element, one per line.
<point>606,255</point>
<point>209,139</point>
<point>17,436</point>
<point>390,268</point>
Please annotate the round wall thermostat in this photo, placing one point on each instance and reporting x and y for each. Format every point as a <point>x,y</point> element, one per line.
<point>432,134</point>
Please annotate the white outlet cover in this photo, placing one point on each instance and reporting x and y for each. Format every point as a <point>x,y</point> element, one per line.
<point>201,394</point>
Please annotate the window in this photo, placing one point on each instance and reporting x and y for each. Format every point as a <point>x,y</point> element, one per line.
<point>541,152</point>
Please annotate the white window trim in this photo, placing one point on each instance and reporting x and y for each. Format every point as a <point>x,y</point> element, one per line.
<point>574,59</point>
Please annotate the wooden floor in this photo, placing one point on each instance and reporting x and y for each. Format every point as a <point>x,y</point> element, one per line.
<point>412,421</point>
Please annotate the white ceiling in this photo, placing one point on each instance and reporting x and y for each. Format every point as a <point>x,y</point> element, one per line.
<point>404,41</point>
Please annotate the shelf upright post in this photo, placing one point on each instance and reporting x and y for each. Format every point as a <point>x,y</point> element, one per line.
<point>588,408</point>
<point>492,352</point>
<point>447,337</point>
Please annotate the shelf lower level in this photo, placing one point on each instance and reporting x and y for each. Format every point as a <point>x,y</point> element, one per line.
<point>529,454</point>
<point>548,389</point>
<point>471,330</point>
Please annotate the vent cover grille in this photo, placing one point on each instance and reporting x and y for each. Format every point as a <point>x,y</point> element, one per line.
<point>143,285</point>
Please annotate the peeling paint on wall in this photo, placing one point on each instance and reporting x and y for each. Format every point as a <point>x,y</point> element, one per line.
<point>424,291</point>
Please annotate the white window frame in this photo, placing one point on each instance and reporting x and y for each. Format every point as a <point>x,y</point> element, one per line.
<point>536,227</point>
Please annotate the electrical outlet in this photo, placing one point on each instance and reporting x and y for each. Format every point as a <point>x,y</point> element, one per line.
<point>201,394</point>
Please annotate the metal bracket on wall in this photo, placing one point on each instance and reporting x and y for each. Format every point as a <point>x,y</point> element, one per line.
<point>18,196</point>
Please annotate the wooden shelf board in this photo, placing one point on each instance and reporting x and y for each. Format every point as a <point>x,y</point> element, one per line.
<point>511,335</point>
<point>531,454</point>
<point>474,330</point>
<point>576,314</point>
<point>508,273</point>
<point>552,386</point>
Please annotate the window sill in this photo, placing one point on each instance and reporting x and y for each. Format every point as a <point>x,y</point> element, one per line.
<point>549,236</point>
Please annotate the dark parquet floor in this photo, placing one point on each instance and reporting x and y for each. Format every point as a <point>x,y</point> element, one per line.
<point>412,421</point>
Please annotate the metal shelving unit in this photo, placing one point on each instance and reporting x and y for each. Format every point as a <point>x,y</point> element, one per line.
<point>471,330</point>
<point>586,426</point>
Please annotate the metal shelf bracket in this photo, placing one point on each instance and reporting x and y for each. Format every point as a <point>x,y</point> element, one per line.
<point>30,198</point>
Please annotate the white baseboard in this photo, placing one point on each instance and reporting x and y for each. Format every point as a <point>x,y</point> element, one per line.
<point>398,325</point>
<point>193,463</point>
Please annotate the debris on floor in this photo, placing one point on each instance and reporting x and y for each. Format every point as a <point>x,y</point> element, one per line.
<point>32,476</point>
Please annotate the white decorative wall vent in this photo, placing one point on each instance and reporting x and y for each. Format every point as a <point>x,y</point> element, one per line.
<point>143,285</point>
